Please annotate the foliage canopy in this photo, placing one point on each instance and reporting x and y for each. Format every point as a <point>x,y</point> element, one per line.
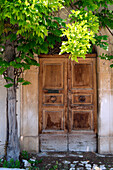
<point>31,27</point>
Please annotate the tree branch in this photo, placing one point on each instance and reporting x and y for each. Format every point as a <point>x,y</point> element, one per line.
<point>71,4</point>
<point>109,30</point>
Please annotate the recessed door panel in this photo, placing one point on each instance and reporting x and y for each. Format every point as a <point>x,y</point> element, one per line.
<point>53,120</point>
<point>82,75</point>
<point>50,99</point>
<point>82,120</point>
<point>53,75</point>
<point>82,98</point>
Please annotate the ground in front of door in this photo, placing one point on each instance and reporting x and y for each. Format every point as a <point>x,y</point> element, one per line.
<point>74,161</point>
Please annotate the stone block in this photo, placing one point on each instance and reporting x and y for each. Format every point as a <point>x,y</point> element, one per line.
<point>111,145</point>
<point>104,110</point>
<point>30,144</point>
<point>103,145</point>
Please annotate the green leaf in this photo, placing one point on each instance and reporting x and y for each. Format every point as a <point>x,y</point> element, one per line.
<point>111,65</point>
<point>13,63</point>
<point>2,70</point>
<point>34,62</point>
<point>8,85</point>
<point>13,38</point>
<point>8,78</point>
<point>18,59</point>
<point>26,83</point>
<point>21,80</point>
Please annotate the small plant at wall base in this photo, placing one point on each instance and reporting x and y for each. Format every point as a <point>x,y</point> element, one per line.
<point>28,27</point>
<point>25,161</point>
<point>10,164</point>
<point>25,155</point>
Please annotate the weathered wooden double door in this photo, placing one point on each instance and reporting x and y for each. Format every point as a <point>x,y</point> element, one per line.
<point>67,103</point>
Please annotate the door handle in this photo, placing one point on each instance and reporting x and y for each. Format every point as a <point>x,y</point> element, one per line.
<point>82,99</point>
<point>53,99</point>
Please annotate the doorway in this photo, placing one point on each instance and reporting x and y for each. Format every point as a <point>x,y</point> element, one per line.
<point>67,103</point>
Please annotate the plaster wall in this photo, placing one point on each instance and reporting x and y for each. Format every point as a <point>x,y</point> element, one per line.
<point>27,103</point>
<point>105,99</point>
<point>29,112</point>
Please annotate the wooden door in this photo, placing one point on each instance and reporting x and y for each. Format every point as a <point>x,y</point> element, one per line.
<point>53,104</point>
<point>67,104</point>
<point>82,105</point>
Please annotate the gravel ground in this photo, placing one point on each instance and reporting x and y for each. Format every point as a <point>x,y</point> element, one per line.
<point>74,161</point>
<point>70,161</point>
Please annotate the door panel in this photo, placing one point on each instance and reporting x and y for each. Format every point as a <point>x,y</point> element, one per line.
<point>53,75</point>
<point>67,104</point>
<point>79,72</point>
<point>82,120</point>
<point>53,120</point>
<point>50,99</point>
<point>82,98</point>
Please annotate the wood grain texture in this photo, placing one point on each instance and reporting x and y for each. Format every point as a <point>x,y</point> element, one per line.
<point>50,99</point>
<point>83,142</point>
<point>53,142</point>
<point>64,56</point>
<point>52,103</point>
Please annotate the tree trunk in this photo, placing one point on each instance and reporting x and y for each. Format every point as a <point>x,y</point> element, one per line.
<point>13,149</point>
